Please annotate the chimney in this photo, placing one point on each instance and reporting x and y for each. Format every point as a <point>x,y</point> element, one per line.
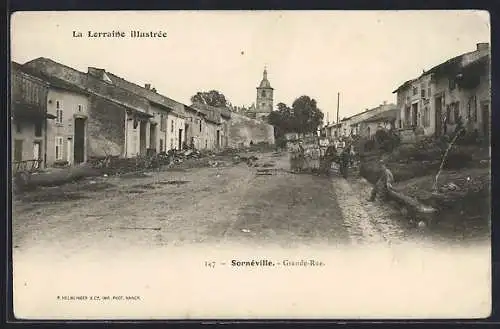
<point>385,102</point>
<point>95,72</point>
<point>483,46</point>
<point>147,86</point>
<point>153,90</point>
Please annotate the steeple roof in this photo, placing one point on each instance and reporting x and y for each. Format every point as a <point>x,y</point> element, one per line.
<point>265,83</point>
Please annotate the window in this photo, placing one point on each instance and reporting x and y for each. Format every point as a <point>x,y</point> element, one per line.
<point>456,111</point>
<point>407,116</point>
<point>38,129</point>
<point>200,126</point>
<point>59,148</point>
<point>59,113</point>
<point>172,126</point>
<point>429,92</point>
<point>80,107</point>
<point>452,84</point>
<point>19,127</point>
<point>263,93</point>
<point>472,109</point>
<point>474,113</point>
<point>449,118</point>
<point>36,96</point>
<point>162,122</point>
<point>18,150</point>
<point>161,145</point>
<point>422,93</point>
<point>415,91</point>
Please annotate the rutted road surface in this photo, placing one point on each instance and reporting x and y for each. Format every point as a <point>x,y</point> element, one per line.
<point>210,205</point>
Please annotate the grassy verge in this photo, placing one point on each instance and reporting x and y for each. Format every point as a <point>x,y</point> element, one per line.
<point>464,184</point>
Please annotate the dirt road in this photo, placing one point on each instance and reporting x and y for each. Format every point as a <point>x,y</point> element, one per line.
<point>230,204</point>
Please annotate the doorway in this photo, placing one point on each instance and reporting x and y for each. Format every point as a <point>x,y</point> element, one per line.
<point>414,114</point>
<point>152,137</point>
<point>180,139</point>
<point>142,137</point>
<point>438,106</point>
<point>37,146</point>
<point>79,142</point>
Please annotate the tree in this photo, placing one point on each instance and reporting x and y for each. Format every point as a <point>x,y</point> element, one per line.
<point>307,117</point>
<point>212,98</point>
<point>281,120</point>
<point>303,117</point>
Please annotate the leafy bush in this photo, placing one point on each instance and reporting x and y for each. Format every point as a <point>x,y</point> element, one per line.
<point>457,159</point>
<point>469,138</point>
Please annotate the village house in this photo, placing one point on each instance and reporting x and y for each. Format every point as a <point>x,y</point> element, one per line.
<point>29,119</point>
<point>213,131</point>
<point>176,127</point>
<point>353,126</point>
<point>331,131</point>
<point>195,127</point>
<point>166,128</point>
<point>67,143</point>
<point>112,116</point>
<point>382,121</point>
<point>431,104</point>
<point>226,117</point>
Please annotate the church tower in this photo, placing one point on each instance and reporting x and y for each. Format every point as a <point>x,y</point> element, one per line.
<point>264,104</point>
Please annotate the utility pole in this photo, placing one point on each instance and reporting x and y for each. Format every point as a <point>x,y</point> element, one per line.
<point>338,122</point>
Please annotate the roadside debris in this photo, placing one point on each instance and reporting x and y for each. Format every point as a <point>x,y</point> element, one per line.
<point>450,187</point>
<point>264,172</point>
<point>140,228</point>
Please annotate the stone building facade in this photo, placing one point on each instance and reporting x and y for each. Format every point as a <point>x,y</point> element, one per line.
<point>460,87</point>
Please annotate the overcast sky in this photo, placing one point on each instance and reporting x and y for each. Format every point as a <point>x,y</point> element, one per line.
<point>364,55</point>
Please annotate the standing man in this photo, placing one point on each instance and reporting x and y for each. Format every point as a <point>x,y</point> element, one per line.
<point>329,158</point>
<point>383,184</point>
<point>345,159</point>
<point>301,157</point>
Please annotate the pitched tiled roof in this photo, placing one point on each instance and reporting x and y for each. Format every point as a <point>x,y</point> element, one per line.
<point>149,94</point>
<point>384,116</point>
<point>83,81</point>
<point>404,85</point>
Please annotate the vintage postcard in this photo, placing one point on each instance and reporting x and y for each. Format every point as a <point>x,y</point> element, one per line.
<point>251,165</point>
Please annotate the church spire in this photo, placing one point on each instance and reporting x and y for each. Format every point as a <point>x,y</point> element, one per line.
<point>265,72</point>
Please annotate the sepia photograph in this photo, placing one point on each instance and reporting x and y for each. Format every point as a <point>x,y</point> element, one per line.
<point>189,165</point>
